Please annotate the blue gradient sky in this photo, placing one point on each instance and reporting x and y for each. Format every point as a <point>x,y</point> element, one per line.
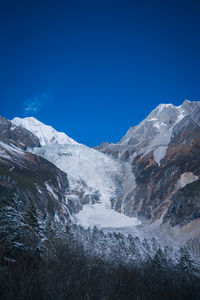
<point>95,68</point>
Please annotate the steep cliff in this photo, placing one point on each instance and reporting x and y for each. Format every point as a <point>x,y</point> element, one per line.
<point>29,177</point>
<point>163,155</point>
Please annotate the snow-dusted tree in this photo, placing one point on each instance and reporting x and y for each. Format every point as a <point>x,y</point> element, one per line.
<point>32,218</point>
<point>11,222</point>
<point>159,259</point>
<point>187,262</point>
<point>34,230</point>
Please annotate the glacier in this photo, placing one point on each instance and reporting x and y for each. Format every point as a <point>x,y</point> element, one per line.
<point>88,170</point>
<point>100,172</point>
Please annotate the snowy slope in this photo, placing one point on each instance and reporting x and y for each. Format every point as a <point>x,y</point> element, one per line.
<point>88,171</point>
<point>80,162</point>
<point>101,216</point>
<point>154,133</point>
<point>46,134</point>
<point>10,152</point>
<point>99,172</point>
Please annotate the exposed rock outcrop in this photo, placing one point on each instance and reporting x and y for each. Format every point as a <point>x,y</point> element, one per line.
<point>17,136</point>
<point>163,152</point>
<point>31,177</point>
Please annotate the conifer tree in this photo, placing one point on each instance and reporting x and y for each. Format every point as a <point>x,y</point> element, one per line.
<point>11,223</point>
<point>34,230</point>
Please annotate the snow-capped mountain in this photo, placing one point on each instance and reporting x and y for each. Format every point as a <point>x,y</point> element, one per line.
<point>38,198</point>
<point>94,177</point>
<point>163,154</point>
<point>154,133</point>
<point>147,175</point>
<point>46,134</point>
<point>30,178</point>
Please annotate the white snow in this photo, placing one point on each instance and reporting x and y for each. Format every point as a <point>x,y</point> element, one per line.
<point>11,148</point>
<point>159,154</point>
<point>128,184</point>
<point>56,218</point>
<point>88,171</point>
<point>49,188</point>
<point>71,196</point>
<point>154,132</point>
<point>160,140</point>
<point>7,151</point>
<point>46,134</point>
<point>101,216</point>
<point>98,171</point>
<point>12,127</point>
<point>186,178</point>
<point>82,163</point>
<point>39,190</point>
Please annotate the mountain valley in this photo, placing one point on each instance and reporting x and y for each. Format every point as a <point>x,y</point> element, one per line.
<point>126,208</point>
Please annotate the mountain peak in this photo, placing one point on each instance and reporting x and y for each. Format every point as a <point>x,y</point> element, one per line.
<point>163,106</point>
<point>46,134</point>
<point>156,130</point>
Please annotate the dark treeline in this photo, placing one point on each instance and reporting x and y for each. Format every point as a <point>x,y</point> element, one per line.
<point>44,260</point>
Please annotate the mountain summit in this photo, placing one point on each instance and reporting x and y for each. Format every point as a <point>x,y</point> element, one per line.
<point>46,134</point>
<point>155,132</point>
<point>94,177</point>
<point>162,153</point>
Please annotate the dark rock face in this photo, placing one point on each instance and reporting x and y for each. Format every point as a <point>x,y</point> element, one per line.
<point>34,179</point>
<point>153,186</point>
<point>156,184</point>
<point>17,136</point>
<point>31,177</point>
<point>159,190</point>
<point>185,205</point>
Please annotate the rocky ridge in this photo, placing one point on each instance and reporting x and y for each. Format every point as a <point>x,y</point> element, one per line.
<point>163,154</point>
<point>94,177</point>
<point>151,174</point>
<point>34,179</point>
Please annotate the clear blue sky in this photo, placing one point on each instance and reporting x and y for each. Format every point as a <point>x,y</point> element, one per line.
<point>95,68</point>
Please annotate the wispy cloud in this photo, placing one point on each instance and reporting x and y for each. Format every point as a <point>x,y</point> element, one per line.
<point>33,105</point>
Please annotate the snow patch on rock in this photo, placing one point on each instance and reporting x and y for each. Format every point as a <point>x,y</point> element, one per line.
<point>7,151</point>
<point>156,130</point>
<point>159,154</point>
<point>49,189</point>
<point>186,178</point>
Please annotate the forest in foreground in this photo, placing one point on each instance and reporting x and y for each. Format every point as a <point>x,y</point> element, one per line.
<point>46,260</point>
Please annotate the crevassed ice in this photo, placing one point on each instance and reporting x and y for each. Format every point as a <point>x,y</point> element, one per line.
<point>98,171</point>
